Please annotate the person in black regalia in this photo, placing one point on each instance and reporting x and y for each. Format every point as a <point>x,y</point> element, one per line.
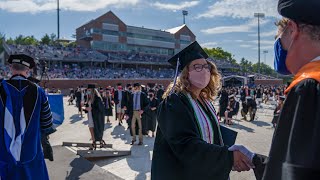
<point>151,112</point>
<point>124,103</point>
<point>295,149</point>
<point>98,114</point>
<point>118,97</point>
<point>160,92</point>
<point>188,143</point>
<point>223,103</point>
<point>108,103</point>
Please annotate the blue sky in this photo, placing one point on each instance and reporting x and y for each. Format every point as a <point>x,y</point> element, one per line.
<point>229,24</point>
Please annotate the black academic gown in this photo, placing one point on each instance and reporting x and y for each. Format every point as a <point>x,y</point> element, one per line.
<point>295,150</point>
<point>179,151</point>
<point>151,115</point>
<point>98,115</point>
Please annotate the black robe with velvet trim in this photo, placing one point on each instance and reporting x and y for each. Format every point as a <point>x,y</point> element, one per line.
<point>295,150</point>
<point>179,151</point>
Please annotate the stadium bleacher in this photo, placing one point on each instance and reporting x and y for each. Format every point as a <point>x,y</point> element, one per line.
<point>78,55</point>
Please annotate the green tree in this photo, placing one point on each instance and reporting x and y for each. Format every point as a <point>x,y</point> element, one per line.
<point>46,39</point>
<point>245,65</point>
<point>264,69</point>
<point>28,40</point>
<point>53,38</point>
<point>220,54</point>
<point>10,41</point>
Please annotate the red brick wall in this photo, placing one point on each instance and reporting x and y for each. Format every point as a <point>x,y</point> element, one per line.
<point>269,82</point>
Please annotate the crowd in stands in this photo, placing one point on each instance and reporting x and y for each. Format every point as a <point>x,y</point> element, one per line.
<point>135,57</point>
<point>80,54</point>
<point>75,72</point>
<point>57,52</point>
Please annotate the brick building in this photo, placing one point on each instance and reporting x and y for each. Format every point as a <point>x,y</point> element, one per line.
<point>111,34</point>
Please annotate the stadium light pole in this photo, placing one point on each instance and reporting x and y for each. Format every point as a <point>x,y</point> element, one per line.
<point>58,18</point>
<point>265,58</point>
<point>259,15</point>
<point>184,13</point>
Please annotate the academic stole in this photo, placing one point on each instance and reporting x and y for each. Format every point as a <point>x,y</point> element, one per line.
<point>203,121</point>
<point>308,71</point>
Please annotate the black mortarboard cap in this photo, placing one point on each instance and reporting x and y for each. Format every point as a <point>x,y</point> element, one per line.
<point>119,84</point>
<point>128,85</point>
<point>304,11</point>
<point>91,86</point>
<point>136,84</point>
<point>22,59</point>
<point>187,55</point>
<point>151,91</point>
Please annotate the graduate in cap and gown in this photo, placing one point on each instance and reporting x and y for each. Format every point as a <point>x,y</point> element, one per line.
<point>98,114</point>
<point>25,118</point>
<point>151,112</point>
<point>108,103</point>
<point>189,143</point>
<point>295,149</point>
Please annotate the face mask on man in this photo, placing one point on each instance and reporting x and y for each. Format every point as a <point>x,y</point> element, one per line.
<point>280,56</point>
<point>199,79</point>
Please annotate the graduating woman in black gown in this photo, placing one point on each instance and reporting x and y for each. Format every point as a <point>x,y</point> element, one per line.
<point>188,143</point>
<point>151,112</point>
<point>98,114</point>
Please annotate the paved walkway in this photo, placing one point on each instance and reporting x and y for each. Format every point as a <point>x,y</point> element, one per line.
<point>255,135</point>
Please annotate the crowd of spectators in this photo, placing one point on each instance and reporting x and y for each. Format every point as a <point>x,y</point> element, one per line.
<point>75,72</point>
<point>140,57</point>
<point>57,52</point>
<point>79,54</point>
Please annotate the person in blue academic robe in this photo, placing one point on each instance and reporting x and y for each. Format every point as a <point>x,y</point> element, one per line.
<point>25,117</point>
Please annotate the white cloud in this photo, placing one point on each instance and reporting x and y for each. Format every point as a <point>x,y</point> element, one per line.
<point>263,42</point>
<point>263,48</point>
<point>246,45</point>
<point>35,6</point>
<point>209,44</point>
<point>265,34</point>
<point>175,7</point>
<point>241,8</point>
<point>248,27</point>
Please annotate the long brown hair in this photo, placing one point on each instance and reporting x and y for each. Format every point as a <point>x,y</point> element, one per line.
<point>93,93</point>
<point>183,85</point>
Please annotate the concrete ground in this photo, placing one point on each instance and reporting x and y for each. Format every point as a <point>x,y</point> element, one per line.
<point>256,136</point>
